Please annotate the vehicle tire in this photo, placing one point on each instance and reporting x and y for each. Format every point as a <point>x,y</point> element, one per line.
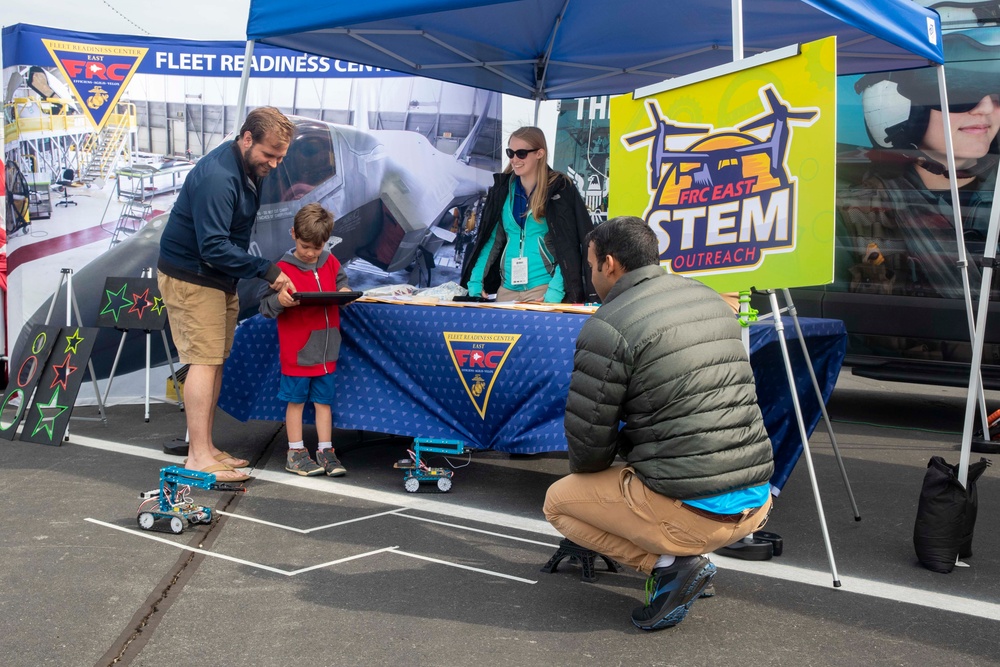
<point>444,484</point>
<point>145,521</point>
<point>176,525</point>
<point>412,484</point>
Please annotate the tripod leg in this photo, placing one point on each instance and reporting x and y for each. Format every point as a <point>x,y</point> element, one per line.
<point>779,327</point>
<point>822,405</point>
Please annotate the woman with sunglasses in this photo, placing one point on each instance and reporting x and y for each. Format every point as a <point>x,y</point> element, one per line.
<point>898,225</point>
<point>529,246</point>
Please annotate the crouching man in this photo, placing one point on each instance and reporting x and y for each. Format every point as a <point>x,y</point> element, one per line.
<point>661,378</point>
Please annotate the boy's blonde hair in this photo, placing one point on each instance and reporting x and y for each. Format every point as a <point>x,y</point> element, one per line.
<point>313,224</point>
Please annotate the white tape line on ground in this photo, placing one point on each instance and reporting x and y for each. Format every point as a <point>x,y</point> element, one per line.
<point>870,587</point>
<point>306,531</point>
<point>473,530</point>
<point>464,567</point>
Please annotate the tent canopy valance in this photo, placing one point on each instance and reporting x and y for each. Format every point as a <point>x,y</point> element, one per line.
<point>552,49</point>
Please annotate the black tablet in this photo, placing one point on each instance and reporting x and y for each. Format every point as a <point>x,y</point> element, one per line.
<point>326,298</point>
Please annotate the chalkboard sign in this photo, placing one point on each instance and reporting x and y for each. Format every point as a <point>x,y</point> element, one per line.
<point>132,303</point>
<point>46,421</point>
<point>27,363</point>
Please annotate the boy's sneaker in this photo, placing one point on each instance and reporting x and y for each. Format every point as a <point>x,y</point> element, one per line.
<point>328,460</point>
<point>298,461</point>
<point>670,592</point>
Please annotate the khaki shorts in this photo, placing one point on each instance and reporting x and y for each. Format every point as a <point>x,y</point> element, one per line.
<point>202,320</point>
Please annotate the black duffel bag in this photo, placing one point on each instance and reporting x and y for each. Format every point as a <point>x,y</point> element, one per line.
<point>946,515</point>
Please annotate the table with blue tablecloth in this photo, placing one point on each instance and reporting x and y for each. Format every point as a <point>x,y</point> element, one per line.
<point>496,378</point>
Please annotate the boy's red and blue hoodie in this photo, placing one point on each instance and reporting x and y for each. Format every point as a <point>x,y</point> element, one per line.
<point>308,336</point>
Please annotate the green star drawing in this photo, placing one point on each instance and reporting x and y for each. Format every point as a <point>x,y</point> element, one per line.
<point>49,411</point>
<point>158,305</point>
<point>73,341</point>
<point>116,301</point>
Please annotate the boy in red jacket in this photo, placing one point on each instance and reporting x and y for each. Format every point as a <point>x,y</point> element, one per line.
<point>308,339</point>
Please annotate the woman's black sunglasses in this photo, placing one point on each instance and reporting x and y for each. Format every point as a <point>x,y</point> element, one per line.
<point>966,107</point>
<point>520,153</point>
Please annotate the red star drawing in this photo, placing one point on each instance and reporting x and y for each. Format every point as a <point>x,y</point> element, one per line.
<point>140,303</point>
<point>63,371</point>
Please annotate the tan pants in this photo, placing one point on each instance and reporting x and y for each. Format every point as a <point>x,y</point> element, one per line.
<point>533,294</point>
<point>615,514</point>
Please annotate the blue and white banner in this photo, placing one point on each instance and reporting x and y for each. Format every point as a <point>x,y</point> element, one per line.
<point>24,45</point>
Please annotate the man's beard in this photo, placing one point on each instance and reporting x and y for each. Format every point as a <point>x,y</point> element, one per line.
<point>257,170</point>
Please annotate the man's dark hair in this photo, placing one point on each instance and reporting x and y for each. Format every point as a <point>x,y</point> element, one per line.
<point>626,238</point>
<point>268,120</point>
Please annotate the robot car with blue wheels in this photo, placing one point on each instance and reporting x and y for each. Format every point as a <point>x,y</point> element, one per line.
<point>169,508</point>
<point>417,471</point>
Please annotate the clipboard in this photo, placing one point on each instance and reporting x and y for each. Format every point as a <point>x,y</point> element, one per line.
<point>326,298</point>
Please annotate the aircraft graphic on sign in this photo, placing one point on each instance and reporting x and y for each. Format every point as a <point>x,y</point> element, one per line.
<point>721,202</point>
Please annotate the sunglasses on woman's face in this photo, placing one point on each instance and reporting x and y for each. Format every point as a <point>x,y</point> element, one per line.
<point>966,107</point>
<point>521,153</point>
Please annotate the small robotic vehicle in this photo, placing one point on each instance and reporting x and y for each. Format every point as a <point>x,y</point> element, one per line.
<point>169,508</point>
<point>417,471</point>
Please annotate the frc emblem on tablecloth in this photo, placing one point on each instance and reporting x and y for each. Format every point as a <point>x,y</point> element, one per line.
<point>478,358</point>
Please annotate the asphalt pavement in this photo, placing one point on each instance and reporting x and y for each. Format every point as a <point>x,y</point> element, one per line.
<point>356,571</point>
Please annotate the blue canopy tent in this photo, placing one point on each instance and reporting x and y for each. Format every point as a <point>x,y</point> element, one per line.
<point>551,49</point>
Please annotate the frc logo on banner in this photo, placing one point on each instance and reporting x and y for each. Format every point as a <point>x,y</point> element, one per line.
<point>725,198</point>
<point>478,358</point>
<point>734,170</point>
<point>98,74</point>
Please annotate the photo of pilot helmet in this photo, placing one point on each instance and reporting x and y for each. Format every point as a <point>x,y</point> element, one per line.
<point>898,105</point>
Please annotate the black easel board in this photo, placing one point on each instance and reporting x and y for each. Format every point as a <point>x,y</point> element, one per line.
<point>326,298</point>
<point>132,303</point>
<point>46,421</point>
<point>27,364</point>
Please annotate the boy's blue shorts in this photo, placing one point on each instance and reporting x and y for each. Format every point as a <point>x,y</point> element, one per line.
<point>319,389</point>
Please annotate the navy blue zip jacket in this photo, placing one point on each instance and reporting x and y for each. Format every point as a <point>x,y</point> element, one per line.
<point>206,238</point>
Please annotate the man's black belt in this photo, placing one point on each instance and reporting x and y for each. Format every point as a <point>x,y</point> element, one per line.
<point>722,518</point>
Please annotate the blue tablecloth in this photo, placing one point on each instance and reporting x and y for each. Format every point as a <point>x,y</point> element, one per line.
<point>495,378</point>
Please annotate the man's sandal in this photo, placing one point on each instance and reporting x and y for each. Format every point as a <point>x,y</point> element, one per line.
<point>222,457</point>
<point>216,468</point>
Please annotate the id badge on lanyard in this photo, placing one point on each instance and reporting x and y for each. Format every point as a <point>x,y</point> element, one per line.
<point>519,266</point>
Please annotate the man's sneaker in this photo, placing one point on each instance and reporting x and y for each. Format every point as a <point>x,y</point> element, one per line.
<point>298,461</point>
<point>328,460</point>
<point>670,592</point>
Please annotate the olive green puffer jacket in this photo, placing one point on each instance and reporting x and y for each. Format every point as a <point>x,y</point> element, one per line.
<point>663,355</point>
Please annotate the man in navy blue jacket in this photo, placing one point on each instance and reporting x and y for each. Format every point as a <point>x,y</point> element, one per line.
<point>203,254</point>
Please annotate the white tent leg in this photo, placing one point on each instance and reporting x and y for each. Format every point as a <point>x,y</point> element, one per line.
<point>963,262</point>
<point>979,336</point>
<point>241,104</point>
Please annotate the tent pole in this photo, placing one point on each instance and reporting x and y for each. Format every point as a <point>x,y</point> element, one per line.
<point>979,337</point>
<point>737,29</point>
<point>241,104</point>
<point>963,263</point>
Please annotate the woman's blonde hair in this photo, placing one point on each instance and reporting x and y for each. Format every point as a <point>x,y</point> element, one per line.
<point>535,138</point>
